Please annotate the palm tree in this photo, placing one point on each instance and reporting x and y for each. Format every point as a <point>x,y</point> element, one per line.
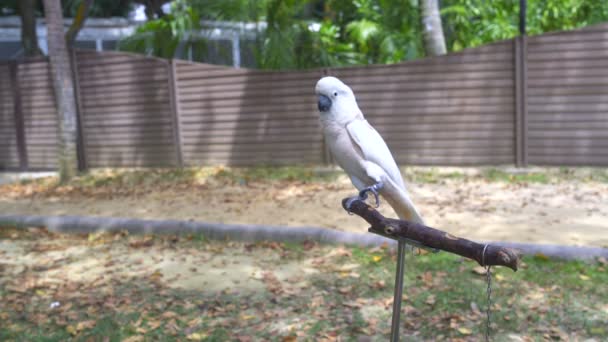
<point>63,85</point>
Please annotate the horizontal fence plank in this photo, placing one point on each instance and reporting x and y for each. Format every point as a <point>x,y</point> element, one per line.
<point>454,160</point>
<point>569,160</point>
<point>128,121</point>
<point>127,66</point>
<point>159,149</point>
<point>566,73</point>
<point>251,134</point>
<point>567,142</point>
<point>567,64</point>
<point>569,150</point>
<point>588,107</point>
<point>567,99</point>
<point>149,98</point>
<point>234,139</point>
<point>569,82</point>
<point>294,154</point>
<point>578,134</point>
<point>134,110</point>
<point>252,162</point>
<point>539,46</point>
<point>135,73</point>
<point>557,89</point>
<point>567,55</point>
<point>246,107</point>
<point>569,125</point>
<point>109,83</point>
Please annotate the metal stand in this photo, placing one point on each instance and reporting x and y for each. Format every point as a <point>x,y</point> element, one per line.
<point>401,246</point>
<point>398,291</point>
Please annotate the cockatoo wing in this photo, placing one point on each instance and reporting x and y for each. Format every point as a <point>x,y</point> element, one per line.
<point>374,150</point>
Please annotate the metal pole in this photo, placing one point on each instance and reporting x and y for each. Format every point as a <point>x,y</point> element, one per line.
<point>398,291</point>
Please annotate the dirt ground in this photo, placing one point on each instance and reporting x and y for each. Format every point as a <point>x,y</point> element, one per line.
<point>567,212</point>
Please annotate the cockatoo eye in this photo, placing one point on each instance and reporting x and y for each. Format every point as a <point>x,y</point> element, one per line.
<point>335,93</point>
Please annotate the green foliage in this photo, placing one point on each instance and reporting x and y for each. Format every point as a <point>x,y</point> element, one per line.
<point>469,23</point>
<point>313,33</point>
<point>161,37</point>
<point>231,10</point>
<point>349,33</point>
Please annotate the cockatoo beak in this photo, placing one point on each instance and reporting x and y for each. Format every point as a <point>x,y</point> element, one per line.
<point>324,103</point>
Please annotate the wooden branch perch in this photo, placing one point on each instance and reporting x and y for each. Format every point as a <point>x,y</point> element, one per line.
<point>434,238</point>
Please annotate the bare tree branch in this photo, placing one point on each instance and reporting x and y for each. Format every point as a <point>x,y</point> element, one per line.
<point>81,15</point>
<point>485,255</point>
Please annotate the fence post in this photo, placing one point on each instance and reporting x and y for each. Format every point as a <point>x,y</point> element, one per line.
<point>521,101</point>
<point>18,116</point>
<point>175,112</point>
<point>80,142</point>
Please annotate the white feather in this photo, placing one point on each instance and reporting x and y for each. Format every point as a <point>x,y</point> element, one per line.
<point>374,149</point>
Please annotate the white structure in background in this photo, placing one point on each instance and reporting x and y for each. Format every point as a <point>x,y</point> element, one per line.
<point>103,34</point>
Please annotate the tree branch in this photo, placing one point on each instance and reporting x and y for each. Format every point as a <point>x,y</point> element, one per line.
<point>81,15</point>
<point>485,255</point>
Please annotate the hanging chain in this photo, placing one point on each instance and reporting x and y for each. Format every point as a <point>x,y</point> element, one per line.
<point>489,301</point>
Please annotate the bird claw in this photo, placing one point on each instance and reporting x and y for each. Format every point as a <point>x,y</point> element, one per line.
<point>363,196</point>
<point>374,190</point>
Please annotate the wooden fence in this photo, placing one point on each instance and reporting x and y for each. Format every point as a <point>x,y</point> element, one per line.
<point>538,100</point>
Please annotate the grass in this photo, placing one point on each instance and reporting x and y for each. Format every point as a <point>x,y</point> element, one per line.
<point>349,295</point>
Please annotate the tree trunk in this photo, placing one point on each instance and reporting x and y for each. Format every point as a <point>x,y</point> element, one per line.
<point>434,41</point>
<point>29,37</point>
<point>63,84</point>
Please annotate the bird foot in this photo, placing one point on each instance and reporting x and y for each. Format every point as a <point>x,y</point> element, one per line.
<point>374,190</point>
<point>363,195</point>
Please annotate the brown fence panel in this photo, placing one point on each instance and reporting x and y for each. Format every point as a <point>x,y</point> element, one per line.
<point>125,110</point>
<point>459,109</point>
<point>247,117</point>
<point>39,113</point>
<point>568,102</point>
<point>9,152</point>
<point>450,110</point>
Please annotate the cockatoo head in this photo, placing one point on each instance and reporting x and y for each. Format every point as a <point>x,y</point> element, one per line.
<point>336,99</point>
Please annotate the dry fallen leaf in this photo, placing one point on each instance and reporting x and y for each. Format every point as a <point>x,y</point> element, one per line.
<point>136,338</point>
<point>479,270</point>
<point>464,331</point>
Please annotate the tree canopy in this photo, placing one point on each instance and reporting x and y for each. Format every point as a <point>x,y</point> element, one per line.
<point>313,33</point>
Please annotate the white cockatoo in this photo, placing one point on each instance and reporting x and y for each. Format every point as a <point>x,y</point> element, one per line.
<point>359,149</point>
